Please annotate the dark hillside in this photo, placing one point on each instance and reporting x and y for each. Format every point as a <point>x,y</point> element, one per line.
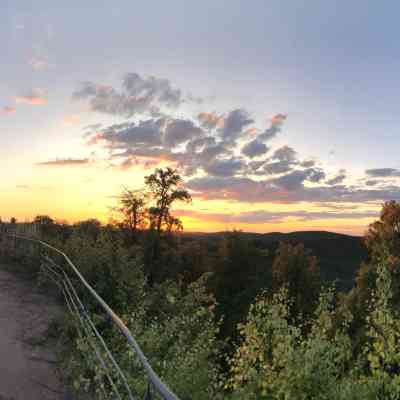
<point>339,255</point>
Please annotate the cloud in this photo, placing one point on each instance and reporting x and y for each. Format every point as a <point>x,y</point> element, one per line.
<point>307,163</point>
<point>278,119</point>
<point>224,167</point>
<point>254,148</point>
<point>277,167</point>
<point>285,191</point>
<point>211,120</point>
<point>234,123</point>
<point>34,187</point>
<point>264,216</point>
<point>138,96</point>
<point>285,153</point>
<point>35,97</point>
<point>152,87</point>
<point>72,119</point>
<point>38,64</point>
<point>282,161</point>
<point>295,179</point>
<point>7,110</point>
<point>382,172</point>
<point>232,188</point>
<point>276,124</point>
<point>126,135</point>
<point>180,131</point>
<point>338,178</point>
<point>64,162</point>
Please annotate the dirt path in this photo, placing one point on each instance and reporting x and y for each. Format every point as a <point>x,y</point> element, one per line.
<point>27,367</point>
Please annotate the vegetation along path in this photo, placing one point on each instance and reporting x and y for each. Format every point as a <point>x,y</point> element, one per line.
<point>27,361</point>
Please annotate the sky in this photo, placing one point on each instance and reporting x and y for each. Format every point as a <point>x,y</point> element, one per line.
<point>279,115</point>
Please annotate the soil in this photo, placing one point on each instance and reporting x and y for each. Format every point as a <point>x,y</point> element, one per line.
<point>28,369</point>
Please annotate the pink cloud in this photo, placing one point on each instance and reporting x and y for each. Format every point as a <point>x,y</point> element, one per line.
<point>251,131</point>
<point>38,64</point>
<point>36,97</point>
<point>211,119</point>
<point>7,110</point>
<point>97,137</point>
<point>278,119</point>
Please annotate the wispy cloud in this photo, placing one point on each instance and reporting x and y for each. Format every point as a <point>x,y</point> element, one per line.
<point>38,64</point>
<point>7,110</point>
<point>64,162</point>
<point>34,187</point>
<point>35,97</point>
<point>383,172</point>
<point>263,216</point>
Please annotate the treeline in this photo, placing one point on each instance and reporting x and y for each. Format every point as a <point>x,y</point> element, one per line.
<point>228,319</point>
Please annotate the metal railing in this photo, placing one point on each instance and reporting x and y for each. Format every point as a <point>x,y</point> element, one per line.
<point>57,267</point>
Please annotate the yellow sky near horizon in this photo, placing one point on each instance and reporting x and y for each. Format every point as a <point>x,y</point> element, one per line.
<point>81,192</point>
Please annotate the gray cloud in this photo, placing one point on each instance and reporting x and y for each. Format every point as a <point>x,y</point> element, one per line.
<point>294,180</point>
<point>138,95</point>
<point>234,124</point>
<point>286,159</point>
<point>228,167</point>
<point>180,131</point>
<point>307,163</point>
<point>264,216</point>
<point>383,172</point>
<point>277,167</point>
<point>146,132</point>
<point>201,143</point>
<point>285,153</point>
<point>275,191</point>
<point>64,162</point>
<point>338,178</point>
<point>254,148</point>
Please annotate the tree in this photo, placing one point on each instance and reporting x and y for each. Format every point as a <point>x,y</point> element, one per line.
<point>90,227</point>
<point>164,186</point>
<point>299,271</point>
<point>45,223</point>
<point>132,208</point>
<point>383,243</point>
<point>384,235</point>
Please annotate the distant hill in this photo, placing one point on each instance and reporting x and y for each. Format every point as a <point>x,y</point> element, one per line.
<point>339,255</point>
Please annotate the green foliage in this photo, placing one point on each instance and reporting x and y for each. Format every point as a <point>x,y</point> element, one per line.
<point>277,359</point>
<point>173,323</point>
<point>297,270</point>
<point>298,341</point>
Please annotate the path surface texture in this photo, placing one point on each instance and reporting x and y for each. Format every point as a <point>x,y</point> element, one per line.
<point>27,364</point>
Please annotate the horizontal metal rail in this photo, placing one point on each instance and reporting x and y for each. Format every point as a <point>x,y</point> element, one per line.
<point>59,276</point>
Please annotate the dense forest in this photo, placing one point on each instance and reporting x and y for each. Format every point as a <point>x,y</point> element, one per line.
<point>233,315</point>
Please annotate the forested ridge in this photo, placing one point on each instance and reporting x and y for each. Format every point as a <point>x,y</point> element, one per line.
<point>233,315</point>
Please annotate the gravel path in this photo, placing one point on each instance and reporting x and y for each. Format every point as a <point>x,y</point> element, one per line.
<point>27,366</point>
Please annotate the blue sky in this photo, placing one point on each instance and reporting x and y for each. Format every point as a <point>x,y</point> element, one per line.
<point>332,67</point>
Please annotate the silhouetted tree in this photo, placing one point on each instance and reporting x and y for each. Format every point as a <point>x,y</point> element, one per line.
<point>90,227</point>
<point>46,225</point>
<point>132,209</point>
<point>164,186</point>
